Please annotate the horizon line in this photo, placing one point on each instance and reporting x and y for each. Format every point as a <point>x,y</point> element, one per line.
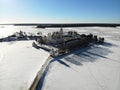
<point>53,23</point>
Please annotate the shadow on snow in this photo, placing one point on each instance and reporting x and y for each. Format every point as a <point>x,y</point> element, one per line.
<point>79,56</point>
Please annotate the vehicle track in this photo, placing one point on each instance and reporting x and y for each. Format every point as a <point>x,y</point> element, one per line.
<point>39,74</point>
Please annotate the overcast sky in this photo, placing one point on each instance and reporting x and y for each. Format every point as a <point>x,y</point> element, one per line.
<point>59,11</point>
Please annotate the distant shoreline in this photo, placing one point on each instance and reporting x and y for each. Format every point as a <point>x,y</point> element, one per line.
<point>54,25</point>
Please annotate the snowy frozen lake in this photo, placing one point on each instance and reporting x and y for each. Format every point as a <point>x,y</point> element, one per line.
<point>92,68</point>
<point>19,61</point>
<point>19,64</point>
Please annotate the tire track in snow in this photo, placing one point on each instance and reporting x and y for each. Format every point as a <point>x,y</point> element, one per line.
<point>1,57</point>
<point>98,83</point>
<point>39,74</point>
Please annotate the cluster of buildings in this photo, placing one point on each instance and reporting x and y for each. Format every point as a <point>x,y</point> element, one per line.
<point>17,36</point>
<point>60,42</point>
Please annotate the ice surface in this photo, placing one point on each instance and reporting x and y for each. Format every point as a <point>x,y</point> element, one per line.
<point>19,64</point>
<point>93,68</point>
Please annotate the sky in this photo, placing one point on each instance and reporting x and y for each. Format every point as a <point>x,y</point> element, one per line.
<point>59,11</point>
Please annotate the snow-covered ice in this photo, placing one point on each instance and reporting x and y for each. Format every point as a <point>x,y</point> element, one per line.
<point>19,64</point>
<point>93,68</point>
